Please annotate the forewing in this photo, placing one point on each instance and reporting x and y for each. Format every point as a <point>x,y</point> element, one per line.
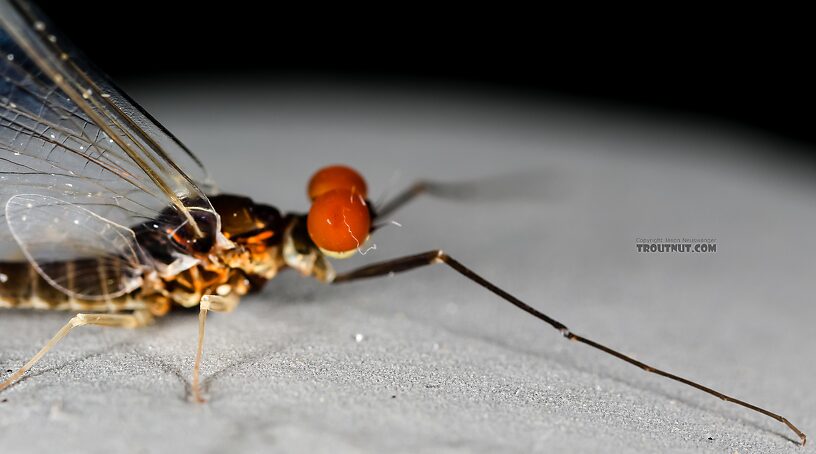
<point>66,132</point>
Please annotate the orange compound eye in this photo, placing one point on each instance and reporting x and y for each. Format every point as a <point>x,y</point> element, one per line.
<point>339,222</point>
<point>336,177</point>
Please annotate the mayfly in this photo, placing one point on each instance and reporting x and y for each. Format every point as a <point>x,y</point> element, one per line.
<point>106,214</point>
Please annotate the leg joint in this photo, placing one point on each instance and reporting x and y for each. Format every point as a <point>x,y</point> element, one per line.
<point>204,303</point>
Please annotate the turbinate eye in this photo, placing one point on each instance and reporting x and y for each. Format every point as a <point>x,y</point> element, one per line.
<point>336,177</point>
<point>339,222</point>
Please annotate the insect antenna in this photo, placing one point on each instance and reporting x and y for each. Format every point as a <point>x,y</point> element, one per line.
<point>536,184</point>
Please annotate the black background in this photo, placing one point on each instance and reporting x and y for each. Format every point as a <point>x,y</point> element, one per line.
<point>753,70</point>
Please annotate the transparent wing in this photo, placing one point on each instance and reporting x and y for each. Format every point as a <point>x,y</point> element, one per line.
<point>67,133</point>
<point>96,259</point>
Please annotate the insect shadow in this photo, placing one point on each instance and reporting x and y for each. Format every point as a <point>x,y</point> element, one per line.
<point>72,362</point>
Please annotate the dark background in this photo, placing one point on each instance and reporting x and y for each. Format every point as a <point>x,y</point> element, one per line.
<point>754,71</point>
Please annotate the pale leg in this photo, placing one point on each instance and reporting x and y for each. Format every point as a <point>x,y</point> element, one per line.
<point>134,320</point>
<point>208,303</point>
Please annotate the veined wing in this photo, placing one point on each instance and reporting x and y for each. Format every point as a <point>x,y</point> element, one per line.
<point>96,259</point>
<point>68,134</point>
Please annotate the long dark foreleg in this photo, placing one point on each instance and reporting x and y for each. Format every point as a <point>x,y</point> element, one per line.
<point>438,256</point>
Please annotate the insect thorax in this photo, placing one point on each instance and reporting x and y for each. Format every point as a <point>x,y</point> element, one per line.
<point>257,243</point>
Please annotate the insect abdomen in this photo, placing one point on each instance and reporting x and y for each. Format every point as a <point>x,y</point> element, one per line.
<point>21,286</point>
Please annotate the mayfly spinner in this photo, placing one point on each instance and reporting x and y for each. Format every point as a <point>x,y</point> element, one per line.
<point>107,215</point>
